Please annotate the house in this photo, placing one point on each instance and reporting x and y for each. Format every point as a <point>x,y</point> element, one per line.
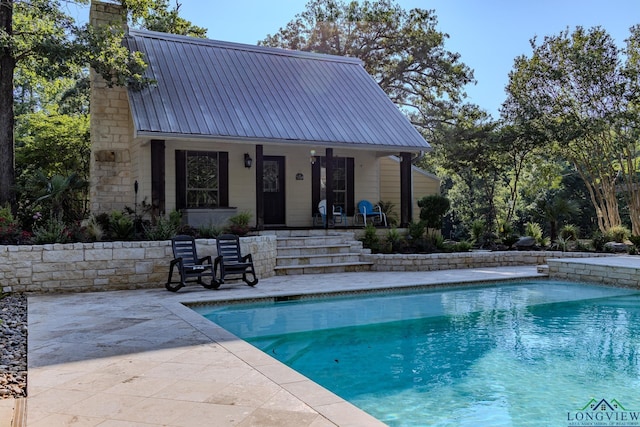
<point>228,128</point>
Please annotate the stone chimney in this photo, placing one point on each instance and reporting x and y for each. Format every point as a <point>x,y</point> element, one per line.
<point>111,180</point>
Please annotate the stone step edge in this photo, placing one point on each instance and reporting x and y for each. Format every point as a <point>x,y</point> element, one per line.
<point>338,264</point>
<point>318,255</point>
<point>336,245</point>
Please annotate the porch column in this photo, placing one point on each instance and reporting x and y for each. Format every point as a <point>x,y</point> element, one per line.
<point>158,196</point>
<point>259,188</point>
<point>329,185</point>
<point>406,210</point>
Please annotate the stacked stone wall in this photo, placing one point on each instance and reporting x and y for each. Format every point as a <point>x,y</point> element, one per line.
<point>102,266</point>
<point>458,260</point>
<point>111,180</point>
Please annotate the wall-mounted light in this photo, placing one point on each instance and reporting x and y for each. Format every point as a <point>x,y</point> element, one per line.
<point>312,159</point>
<point>248,161</point>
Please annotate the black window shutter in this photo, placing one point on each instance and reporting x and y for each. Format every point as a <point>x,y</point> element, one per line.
<point>315,186</point>
<point>181,179</point>
<point>350,208</point>
<point>223,179</point>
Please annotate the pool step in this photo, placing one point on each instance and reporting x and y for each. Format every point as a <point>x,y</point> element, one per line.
<point>543,269</point>
<point>316,254</point>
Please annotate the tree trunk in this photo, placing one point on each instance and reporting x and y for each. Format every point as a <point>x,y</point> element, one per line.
<point>7,66</point>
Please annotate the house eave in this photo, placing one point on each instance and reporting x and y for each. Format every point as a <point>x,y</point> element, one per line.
<point>284,142</point>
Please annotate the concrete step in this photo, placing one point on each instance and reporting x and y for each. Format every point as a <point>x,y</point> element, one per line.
<point>305,241</point>
<point>323,268</point>
<point>543,269</point>
<point>314,250</point>
<point>319,259</point>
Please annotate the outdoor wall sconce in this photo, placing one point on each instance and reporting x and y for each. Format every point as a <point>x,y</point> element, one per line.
<point>312,159</point>
<point>248,161</point>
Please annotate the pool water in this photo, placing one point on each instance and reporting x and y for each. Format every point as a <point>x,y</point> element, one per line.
<point>521,354</point>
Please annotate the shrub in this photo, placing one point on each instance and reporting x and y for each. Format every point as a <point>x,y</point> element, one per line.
<point>570,232</point>
<point>617,234</point>
<point>370,239</point>
<point>432,210</point>
<point>10,231</point>
<point>93,229</point>
<point>597,241</point>
<point>121,227</point>
<point>533,229</point>
<point>53,230</point>
<point>635,240</point>
<point>478,228</point>
<point>209,231</point>
<point>388,208</point>
<point>163,229</point>
<point>239,224</point>
<point>416,230</point>
<point>394,240</point>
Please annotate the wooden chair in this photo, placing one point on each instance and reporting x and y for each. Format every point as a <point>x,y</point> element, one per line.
<point>231,262</point>
<point>190,267</point>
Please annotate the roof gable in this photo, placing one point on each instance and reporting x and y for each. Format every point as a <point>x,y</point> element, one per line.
<point>224,90</point>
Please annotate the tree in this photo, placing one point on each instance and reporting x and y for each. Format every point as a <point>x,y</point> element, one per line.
<point>574,89</point>
<point>470,154</point>
<point>403,51</point>
<point>40,40</point>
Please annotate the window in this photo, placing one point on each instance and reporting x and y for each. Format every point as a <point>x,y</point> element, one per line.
<point>342,182</point>
<point>201,179</point>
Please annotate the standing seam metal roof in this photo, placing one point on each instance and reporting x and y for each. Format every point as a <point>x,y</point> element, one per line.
<point>213,89</point>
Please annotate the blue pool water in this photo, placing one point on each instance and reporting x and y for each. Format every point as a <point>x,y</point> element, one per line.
<point>521,354</point>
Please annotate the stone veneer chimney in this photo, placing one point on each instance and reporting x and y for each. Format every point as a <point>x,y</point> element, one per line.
<point>111,180</point>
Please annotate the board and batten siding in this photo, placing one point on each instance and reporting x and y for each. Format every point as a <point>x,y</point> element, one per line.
<point>423,184</point>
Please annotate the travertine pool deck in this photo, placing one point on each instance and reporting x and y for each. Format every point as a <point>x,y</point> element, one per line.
<point>142,358</point>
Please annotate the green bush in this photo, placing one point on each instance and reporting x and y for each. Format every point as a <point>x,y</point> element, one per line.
<point>388,208</point>
<point>121,226</point>
<point>239,224</point>
<point>570,232</point>
<point>432,210</point>
<point>416,230</point>
<point>53,230</point>
<point>163,229</point>
<point>635,240</point>
<point>617,234</point>
<point>478,229</point>
<point>370,239</point>
<point>598,240</point>
<point>394,240</point>
<point>209,231</point>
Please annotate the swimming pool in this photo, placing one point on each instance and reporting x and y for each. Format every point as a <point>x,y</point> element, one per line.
<point>526,353</point>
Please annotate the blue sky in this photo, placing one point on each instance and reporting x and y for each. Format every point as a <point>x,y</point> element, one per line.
<point>488,34</point>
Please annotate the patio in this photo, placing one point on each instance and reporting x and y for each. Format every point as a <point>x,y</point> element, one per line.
<point>142,358</point>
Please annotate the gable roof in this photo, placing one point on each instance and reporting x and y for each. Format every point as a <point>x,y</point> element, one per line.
<point>221,90</point>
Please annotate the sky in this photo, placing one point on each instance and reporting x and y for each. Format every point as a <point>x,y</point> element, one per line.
<point>488,34</point>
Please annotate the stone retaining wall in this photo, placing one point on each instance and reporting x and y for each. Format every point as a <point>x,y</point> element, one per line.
<point>623,271</point>
<point>457,260</point>
<point>109,265</point>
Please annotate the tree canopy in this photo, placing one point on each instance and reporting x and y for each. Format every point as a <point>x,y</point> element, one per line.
<point>403,50</point>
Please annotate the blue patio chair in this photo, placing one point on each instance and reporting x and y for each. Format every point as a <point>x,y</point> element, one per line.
<point>366,211</point>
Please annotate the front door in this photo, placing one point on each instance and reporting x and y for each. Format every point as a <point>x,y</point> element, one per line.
<point>274,200</point>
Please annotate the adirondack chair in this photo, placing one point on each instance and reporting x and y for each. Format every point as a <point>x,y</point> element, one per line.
<point>189,266</point>
<point>231,262</point>
<point>366,211</point>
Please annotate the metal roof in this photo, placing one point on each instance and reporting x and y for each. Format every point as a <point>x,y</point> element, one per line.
<point>222,90</point>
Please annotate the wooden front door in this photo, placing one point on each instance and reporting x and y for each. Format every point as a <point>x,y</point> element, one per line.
<point>274,195</point>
